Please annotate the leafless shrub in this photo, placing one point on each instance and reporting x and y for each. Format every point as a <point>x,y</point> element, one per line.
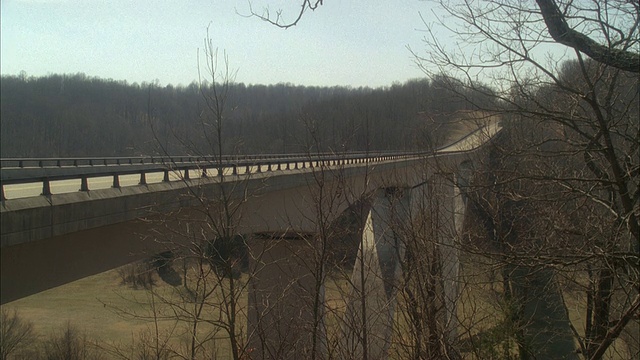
<point>15,333</point>
<point>68,344</point>
<point>137,275</point>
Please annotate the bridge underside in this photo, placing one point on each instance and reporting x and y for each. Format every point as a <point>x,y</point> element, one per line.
<point>32,267</point>
<point>49,241</point>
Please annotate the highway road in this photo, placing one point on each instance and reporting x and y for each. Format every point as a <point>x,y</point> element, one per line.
<point>474,140</point>
<point>66,186</point>
<point>25,190</point>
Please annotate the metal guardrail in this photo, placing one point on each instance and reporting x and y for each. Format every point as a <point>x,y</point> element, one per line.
<point>45,170</point>
<point>29,170</point>
<point>9,163</point>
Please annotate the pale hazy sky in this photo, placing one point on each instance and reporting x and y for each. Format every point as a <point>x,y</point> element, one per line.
<point>357,43</point>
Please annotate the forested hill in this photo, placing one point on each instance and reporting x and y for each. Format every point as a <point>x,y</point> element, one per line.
<point>76,115</point>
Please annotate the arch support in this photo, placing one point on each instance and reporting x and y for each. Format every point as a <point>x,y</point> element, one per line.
<point>370,305</point>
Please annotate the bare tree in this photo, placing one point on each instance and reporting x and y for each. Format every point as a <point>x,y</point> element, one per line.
<point>560,197</point>
<point>204,311</point>
<point>215,252</point>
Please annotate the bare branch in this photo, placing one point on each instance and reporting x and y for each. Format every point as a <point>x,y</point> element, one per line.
<point>277,21</point>
<point>562,33</point>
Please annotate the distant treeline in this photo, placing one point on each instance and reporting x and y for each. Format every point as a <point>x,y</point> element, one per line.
<point>77,115</point>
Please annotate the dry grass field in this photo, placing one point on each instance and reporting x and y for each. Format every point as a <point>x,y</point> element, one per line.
<point>99,306</point>
<point>114,317</point>
<point>94,306</point>
<point>83,304</point>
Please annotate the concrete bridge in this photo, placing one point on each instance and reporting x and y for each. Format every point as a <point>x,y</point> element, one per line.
<point>282,204</point>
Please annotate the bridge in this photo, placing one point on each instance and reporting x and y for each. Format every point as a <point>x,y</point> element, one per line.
<point>64,219</point>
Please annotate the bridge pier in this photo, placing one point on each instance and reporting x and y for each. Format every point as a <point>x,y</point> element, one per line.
<point>287,304</point>
<point>450,256</point>
<point>286,296</point>
<point>286,299</point>
<point>368,321</point>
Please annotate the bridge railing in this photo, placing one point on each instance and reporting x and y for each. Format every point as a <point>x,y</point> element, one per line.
<point>11,163</point>
<point>47,170</point>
